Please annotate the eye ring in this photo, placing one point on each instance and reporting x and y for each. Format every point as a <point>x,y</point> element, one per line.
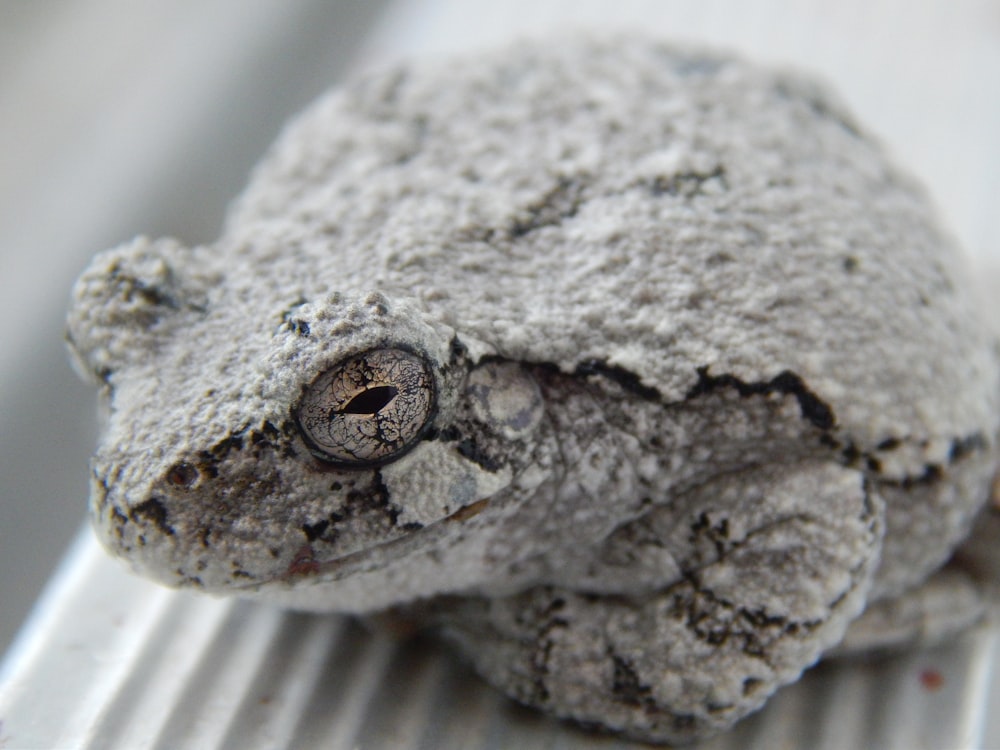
<point>369,409</point>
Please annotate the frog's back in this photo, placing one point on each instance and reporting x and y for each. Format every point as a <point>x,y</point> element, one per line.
<point>673,215</point>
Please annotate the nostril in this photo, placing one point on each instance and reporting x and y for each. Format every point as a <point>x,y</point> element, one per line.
<point>182,475</point>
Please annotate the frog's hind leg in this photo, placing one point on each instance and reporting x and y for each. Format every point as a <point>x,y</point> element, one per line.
<point>947,603</point>
<point>958,596</point>
<point>747,615</point>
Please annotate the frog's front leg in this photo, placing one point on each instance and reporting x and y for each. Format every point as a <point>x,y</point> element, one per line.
<point>755,604</point>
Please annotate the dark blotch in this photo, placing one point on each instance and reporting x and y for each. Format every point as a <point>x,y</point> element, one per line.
<point>266,435</point>
<point>155,511</point>
<point>851,454</point>
<point>787,382</point>
<point>626,379</point>
<point>299,327</point>
<point>149,295</point>
<point>931,474</point>
<point>224,447</point>
<point>962,447</point>
<point>626,684</point>
<point>889,444</point>
<point>374,498</point>
<point>468,449</point>
<point>560,203</point>
<point>458,350</point>
<point>287,315</point>
<point>314,531</point>
<point>719,259</point>
<point>686,184</point>
<point>450,434</point>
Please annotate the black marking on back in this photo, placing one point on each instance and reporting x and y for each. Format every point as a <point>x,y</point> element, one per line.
<point>787,382</point>
<point>625,378</point>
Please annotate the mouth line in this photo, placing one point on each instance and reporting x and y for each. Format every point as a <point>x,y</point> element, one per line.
<point>305,565</point>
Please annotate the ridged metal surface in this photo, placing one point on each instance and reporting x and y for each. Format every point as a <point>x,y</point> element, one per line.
<point>110,661</point>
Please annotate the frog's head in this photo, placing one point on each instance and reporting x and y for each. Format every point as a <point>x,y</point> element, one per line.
<point>254,444</point>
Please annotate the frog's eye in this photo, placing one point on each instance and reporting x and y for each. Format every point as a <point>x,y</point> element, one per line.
<point>368,409</point>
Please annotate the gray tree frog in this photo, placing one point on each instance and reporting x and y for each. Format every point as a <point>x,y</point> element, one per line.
<point>637,371</point>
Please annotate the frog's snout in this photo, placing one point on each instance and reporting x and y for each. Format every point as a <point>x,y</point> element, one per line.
<point>126,516</point>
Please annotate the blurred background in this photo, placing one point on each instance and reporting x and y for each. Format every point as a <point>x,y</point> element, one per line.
<point>119,118</point>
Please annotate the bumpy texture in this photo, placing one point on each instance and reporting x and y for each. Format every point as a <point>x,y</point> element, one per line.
<point>637,371</point>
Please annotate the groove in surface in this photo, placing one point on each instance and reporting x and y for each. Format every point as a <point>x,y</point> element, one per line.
<point>161,673</point>
<point>843,706</point>
<point>117,655</point>
<point>273,706</point>
<point>463,707</point>
<point>203,714</point>
<point>350,675</point>
<point>398,712</point>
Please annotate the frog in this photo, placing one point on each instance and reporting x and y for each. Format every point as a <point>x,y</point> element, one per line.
<point>638,372</point>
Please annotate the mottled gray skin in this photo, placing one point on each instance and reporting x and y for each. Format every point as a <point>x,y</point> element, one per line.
<point>708,380</point>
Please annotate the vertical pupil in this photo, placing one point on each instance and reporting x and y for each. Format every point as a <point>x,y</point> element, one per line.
<point>370,401</point>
